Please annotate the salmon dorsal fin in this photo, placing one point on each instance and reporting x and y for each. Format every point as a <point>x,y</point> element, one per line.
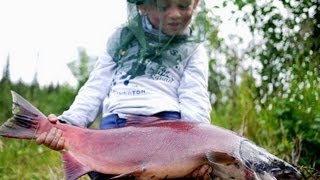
<point>73,169</point>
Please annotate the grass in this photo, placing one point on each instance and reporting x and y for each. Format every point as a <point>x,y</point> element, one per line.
<point>24,159</point>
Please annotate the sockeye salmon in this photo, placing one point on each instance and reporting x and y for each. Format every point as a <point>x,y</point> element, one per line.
<point>151,149</point>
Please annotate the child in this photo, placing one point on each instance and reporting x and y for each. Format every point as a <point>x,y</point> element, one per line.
<point>152,66</point>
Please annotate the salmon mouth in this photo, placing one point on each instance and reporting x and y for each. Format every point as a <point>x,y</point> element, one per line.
<point>284,171</point>
<point>288,174</point>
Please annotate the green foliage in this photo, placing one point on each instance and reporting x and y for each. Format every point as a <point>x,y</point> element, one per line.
<point>278,107</point>
<point>82,66</point>
<point>23,159</point>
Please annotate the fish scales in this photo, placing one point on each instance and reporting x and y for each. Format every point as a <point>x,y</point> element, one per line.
<point>151,148</point>
<point>170,147</point>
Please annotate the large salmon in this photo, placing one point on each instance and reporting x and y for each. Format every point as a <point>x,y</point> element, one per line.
<point>153,149</point>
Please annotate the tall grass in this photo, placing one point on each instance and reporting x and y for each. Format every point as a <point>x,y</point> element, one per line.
<point>24,159</point>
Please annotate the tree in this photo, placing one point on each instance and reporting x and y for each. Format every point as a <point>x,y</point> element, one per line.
<point>6,71</point>
<point>81,67</point>
<point>284,104</point>
<point>289,53</point>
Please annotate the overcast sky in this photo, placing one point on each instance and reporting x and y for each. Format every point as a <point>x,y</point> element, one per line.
<point>43,35</point>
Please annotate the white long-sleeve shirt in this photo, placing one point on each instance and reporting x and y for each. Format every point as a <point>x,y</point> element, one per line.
<point>174,81</point>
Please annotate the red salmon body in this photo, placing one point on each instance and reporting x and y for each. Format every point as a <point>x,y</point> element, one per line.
<point>151,148</point>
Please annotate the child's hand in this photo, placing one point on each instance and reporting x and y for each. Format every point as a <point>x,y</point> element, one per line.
<point>52,139</point>
<point>202,173</point>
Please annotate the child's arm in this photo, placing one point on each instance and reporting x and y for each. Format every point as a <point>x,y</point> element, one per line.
<point>193,89</point>
<point>89,100</point>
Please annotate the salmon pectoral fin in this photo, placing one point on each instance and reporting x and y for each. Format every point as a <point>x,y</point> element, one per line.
<point>220,158</point>
<point>136,172</point>
<point>73,169</point>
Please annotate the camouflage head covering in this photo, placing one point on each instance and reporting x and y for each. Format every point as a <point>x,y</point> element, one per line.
<point>153,49</point>
<point>136,1</point>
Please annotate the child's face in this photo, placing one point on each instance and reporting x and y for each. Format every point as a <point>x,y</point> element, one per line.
<point>171,16</point>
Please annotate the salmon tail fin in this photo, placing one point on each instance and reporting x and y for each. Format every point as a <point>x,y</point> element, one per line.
<point>73,169</point>
<point>25,120</point>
